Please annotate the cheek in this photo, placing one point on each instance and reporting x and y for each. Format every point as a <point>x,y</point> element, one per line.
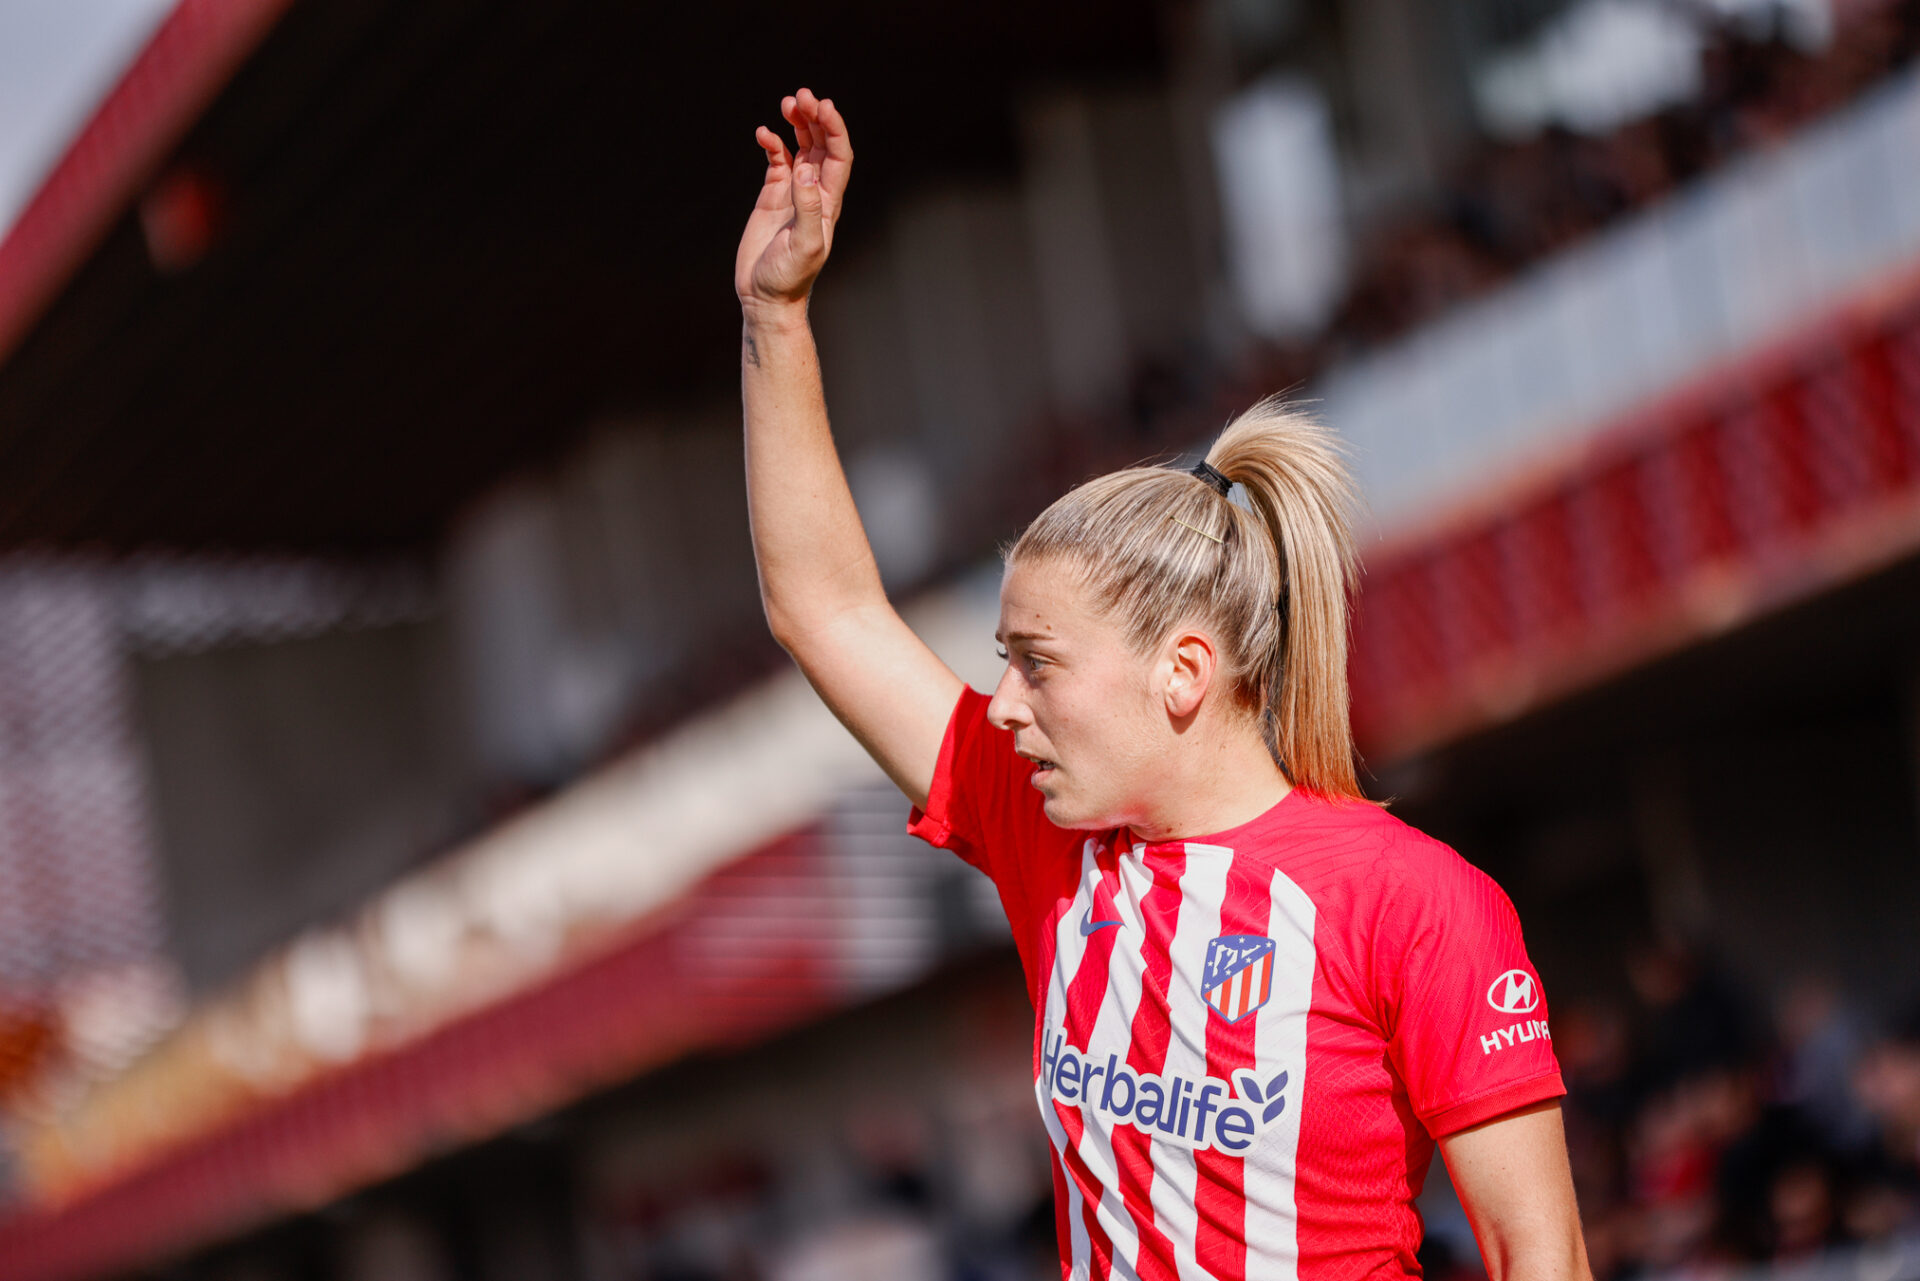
<point>1102,717</point>
<point>1122,718</point>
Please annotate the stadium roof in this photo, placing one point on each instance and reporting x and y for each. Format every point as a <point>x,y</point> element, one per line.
<point>315,275</point>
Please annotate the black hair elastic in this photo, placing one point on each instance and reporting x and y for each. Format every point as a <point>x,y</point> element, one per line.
<point>1208,472</point>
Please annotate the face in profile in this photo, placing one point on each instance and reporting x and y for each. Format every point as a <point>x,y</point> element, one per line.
<point>1081,703</point>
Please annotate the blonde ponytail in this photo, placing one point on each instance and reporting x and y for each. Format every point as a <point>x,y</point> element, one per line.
<point>1160,547</point>
<point>1291,470</point>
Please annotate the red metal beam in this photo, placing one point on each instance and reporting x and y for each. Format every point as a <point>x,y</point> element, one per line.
<point>190,58</point>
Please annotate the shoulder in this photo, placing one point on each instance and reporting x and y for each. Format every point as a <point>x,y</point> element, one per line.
<point>1361,833</point>
<point>1374,859</point>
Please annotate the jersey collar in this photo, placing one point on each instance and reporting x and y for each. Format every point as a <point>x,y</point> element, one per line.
<point>1252,832</point>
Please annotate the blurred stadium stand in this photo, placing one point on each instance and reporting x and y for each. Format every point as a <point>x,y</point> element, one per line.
<point>415,862</point>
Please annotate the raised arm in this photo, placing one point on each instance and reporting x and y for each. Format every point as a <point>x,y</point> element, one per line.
<point>818,580</point>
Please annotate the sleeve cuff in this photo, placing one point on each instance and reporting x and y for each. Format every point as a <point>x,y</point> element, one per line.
<point>1496,1102</point>
<point>933,822</point>
<point>928,828</point>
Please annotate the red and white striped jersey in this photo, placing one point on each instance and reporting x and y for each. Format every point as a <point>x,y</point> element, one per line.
<point>1246,1044</point>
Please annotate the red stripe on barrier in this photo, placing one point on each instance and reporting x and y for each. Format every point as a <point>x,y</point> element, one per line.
<point>1777,475</point>
<point>712,974</point>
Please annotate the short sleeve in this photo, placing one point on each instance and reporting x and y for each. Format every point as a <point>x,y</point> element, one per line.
<point>982,807</point>
<point>1469,1032</point>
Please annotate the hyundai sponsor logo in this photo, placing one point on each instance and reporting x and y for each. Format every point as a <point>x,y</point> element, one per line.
<point>1503,1038</point>
<point>1514,992</point>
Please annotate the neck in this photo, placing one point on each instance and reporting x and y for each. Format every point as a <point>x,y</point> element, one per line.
<point>1213,786</point>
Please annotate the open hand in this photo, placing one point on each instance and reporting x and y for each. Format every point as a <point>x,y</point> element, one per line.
<point>790,231</point>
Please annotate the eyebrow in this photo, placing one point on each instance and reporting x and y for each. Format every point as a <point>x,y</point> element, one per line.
<point>1005,637</point>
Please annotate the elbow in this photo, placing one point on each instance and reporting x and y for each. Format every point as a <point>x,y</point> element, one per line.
<point>1544,1260</point>
<point>809,622</point>
<point>780,623</point>
<point>792,630</point>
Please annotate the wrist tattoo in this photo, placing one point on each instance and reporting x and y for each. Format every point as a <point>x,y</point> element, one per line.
<point>750,350</point>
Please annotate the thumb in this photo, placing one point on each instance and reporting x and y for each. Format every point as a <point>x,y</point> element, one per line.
<point>809,224</point>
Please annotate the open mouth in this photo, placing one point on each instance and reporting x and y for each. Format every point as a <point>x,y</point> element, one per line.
<point>1041,765</point>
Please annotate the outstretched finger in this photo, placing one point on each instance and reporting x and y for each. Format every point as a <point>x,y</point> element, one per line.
<point>801,116</point>
<point>776,149</point>
<point>831,131</point>
<point>838,146</point>
<point>775,184</point>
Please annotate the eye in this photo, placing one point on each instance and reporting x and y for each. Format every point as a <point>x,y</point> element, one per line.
<point>1000,652</point>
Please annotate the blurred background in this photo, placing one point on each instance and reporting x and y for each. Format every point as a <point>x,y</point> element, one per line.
<point>418,864</point>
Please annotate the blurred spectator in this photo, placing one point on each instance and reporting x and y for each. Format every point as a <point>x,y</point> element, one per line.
<point>1700,1142</point>
<point>1506,206</point>
<point>1886,1185</point>
<point>1692,1020</point>
<point>1821,1041</point>
<point>1675,1145</point>
<point>1509,204</point>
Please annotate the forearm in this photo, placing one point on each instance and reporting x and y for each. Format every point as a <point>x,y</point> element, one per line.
<point>1558,1254</point>
<point>818,580</point>
<point>1514,1182</point>
<point>814,559</point>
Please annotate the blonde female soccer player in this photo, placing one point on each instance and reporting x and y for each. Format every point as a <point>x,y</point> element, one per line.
<point>1261,1001</point>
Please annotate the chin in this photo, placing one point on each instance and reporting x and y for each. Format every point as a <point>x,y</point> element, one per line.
<point>1063,813</point>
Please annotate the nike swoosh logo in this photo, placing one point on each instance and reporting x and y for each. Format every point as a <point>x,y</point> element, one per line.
<point>1088,925</point>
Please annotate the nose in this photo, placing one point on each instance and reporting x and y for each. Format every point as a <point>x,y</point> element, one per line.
<point>1006,709</point>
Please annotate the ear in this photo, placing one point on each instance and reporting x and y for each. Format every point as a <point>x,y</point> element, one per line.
<point>1190,664</point>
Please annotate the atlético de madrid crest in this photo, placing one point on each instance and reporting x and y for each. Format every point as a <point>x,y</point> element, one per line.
<point>1239,975</point>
